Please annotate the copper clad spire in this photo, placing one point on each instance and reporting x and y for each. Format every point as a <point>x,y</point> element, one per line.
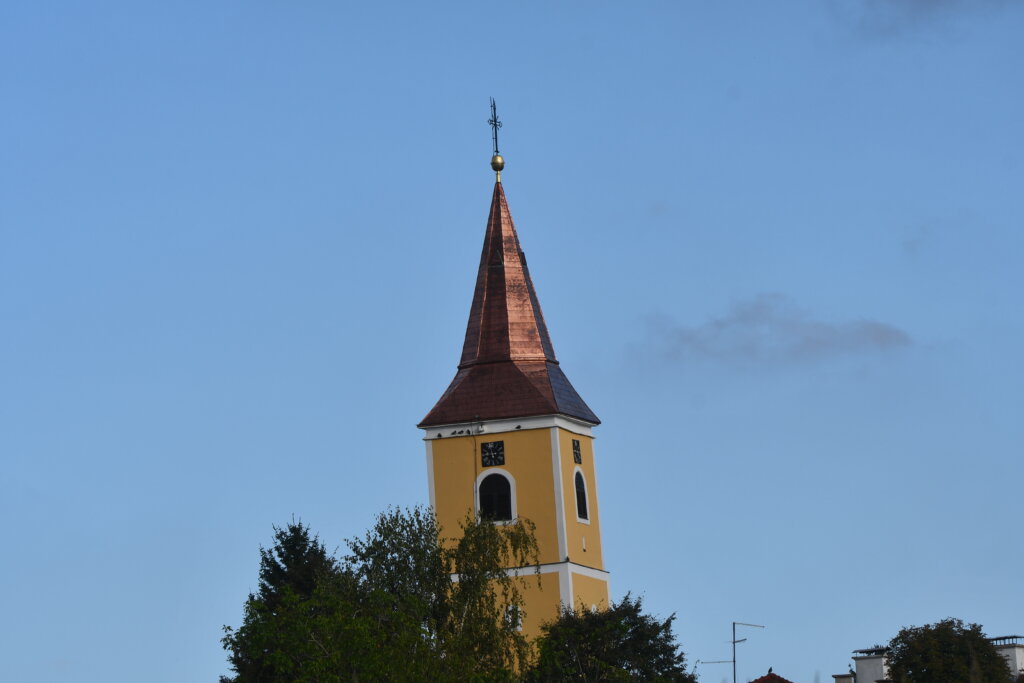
<point>505,320</point>
<point>508,367</point>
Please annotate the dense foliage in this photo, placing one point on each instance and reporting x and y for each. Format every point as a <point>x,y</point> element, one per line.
<point>389,610</point>
<point>618,644</point>
<point>945,652</point>
<point>290,572</point>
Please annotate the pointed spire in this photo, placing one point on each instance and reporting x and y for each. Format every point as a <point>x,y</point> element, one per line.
<point>505,320</point>
<point>508,367</point>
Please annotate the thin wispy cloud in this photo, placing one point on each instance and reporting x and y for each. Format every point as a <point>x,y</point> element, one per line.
<point>771,328</point>
<point>892,18</point>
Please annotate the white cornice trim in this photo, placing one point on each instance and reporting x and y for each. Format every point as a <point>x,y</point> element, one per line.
<point>553,568</point>
<point>569,424</point>
<point>589,571</point>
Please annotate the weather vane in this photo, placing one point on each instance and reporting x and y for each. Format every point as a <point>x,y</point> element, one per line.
<point>495,123</point>
<point>497,163</point>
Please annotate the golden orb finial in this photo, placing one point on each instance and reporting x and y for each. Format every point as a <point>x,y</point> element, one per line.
<point>497,162</point>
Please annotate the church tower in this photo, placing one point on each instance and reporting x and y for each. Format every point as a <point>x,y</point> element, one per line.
<point>510,438</point>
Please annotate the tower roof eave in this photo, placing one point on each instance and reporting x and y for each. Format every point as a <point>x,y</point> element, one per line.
<point>495,391</point>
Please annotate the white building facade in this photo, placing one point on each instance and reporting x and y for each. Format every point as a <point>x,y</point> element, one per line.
<point>871,666</point>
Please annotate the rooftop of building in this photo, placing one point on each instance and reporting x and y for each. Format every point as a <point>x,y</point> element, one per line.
<point>998,641</point>
<point>771,677</point>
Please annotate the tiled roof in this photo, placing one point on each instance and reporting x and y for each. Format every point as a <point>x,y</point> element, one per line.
<point>508,367</point>
<point>771,678</point>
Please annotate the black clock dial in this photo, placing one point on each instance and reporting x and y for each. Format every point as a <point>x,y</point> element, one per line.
<point>492,453</point>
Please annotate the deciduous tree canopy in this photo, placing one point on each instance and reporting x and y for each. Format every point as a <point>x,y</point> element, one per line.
<point>945,652</point>
<point>389,610</point>
<point>618,644</point>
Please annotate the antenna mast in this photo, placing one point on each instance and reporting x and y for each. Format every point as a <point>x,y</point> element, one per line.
<point>734,642</point>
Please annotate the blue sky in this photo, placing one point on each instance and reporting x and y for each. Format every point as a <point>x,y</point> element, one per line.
<point>777,245</point>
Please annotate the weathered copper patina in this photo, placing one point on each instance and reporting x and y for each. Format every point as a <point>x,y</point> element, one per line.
<point>508,367</point>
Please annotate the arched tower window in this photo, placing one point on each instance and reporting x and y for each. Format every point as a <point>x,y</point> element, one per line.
<point>496,498</point>
<point>581,497</point>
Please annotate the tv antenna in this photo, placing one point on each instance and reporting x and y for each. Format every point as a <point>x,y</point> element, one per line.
<point>734,644</point>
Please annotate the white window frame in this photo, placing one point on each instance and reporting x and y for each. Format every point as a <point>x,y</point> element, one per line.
<point>512,490</point>
<point>586,495</point>
<point>514,612</point>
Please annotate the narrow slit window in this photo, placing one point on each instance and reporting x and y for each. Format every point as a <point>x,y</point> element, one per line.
<point>513,618</point>
<point>581,497</point>
<point>495,498</point>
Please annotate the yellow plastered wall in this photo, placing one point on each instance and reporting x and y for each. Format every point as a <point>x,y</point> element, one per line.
<point>589,592</point>
<point>580,535</point>
<point>540,602</point>
<point>456,463</point>
<point>532,458</point>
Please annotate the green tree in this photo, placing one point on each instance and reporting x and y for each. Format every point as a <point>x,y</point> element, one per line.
<point>289,573</point>
<point>480,601</point>
<point>389,609</point>
<point>945,652</point>
<point>296,562</point>
<point>405,561</point>
<point>618,644</point>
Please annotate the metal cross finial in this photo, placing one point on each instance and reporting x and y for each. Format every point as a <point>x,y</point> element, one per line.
<point>495,125</point>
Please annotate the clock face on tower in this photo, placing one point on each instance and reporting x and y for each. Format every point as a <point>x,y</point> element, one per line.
<point>492,453</point>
